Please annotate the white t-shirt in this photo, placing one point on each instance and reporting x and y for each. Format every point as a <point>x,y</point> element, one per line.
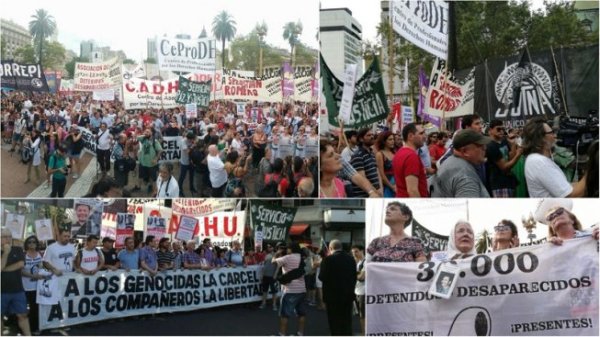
<point>167,188</point>
<point>32,266</point>
<point>544,178</point>
<point>90,259</point>
<point>216,168</point>
<point>60,256</point>
<point>347,153</point>
<point>104,140</point>
<point>237,146</point>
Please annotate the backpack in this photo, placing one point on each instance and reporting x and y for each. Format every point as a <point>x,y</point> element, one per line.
<point>271,186</point>
<point>26,154</point>
<point>292,274</point>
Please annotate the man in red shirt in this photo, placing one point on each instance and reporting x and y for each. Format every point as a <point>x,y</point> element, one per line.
<point>409,171</point>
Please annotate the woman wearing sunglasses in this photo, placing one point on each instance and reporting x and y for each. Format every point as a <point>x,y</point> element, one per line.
<point>562,224</point>
<point>506,236</point>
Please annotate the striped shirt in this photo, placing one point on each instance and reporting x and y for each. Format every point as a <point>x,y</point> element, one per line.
<point>164,258</point>
<point>364,159</point>
<point>288,263</point>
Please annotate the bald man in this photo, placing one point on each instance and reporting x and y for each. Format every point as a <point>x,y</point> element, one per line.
<point>217,173</point>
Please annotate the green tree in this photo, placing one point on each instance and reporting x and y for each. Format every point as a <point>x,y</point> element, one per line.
<point>304,55</point>
<point>484,242</point>
<point>70,66</point>
<point>128,61</point>
<point>247,50</point>
<point>291,32</point>
<point>261,30</point>
<point>41,27</point>
<point>223,28</point>
<point>54,51</point>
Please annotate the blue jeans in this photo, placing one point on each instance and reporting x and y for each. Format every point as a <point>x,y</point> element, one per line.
<point>289,302</point>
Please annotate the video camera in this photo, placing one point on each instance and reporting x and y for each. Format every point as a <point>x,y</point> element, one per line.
<point>577,134</point>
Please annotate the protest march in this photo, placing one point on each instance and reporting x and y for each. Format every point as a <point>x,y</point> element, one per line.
<point>426,80</point>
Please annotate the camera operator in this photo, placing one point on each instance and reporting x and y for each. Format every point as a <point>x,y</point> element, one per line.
<point>74,143</point>
<point>103,145</point>
<point>544,178</point>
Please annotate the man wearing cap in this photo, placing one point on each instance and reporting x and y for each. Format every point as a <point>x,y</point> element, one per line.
<point>409,171</point>
<point>57,167</point>
<point>186,166</point>
<point>501,157</point>
<point>458,177</point>
<point>111,261</point>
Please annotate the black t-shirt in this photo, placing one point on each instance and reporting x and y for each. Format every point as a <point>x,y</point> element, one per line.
<point>11,280</point>
<point>498,179</point>
<point>110,257</point>
<point>171,131</point>
<point>84,121</point>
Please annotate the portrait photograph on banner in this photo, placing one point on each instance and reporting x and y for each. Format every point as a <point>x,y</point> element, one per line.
<point>88,217</point>
<point>505,268</point>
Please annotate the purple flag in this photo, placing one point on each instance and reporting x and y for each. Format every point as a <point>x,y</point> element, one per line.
<point>288,80</point>
<point>423,87</point>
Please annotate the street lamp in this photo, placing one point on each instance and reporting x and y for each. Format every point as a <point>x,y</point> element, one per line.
<point>529,223</point>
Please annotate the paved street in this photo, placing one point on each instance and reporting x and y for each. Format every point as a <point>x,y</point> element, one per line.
<point>233,320</point>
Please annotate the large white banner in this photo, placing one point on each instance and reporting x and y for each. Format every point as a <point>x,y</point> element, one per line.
<point>447,97</point>
<point>265,89</point>
<point>97,76</point>
<point>536,290</point>
<point>144,94</point>
<point>119,294</point>
<point>199,206</point>
<point>303,79</point>
<point>222,228</point>
<point>423,23</point>
<point>188,56</point>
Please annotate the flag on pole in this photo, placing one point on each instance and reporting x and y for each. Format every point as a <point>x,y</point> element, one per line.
<point>324,247</point>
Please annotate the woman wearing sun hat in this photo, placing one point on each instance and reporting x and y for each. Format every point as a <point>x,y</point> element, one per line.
<point>562,223</point>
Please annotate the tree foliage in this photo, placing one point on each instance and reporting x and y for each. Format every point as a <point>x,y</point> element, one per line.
<point>70,66</point>
<point>223,28</point>
<point>54,55</point>
<point>291,32</point>
<point>41,26</point>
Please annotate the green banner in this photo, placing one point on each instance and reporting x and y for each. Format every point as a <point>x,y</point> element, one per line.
<point>431,241</point>
<point>369,104</point>
<point>272,221</point>
<point>193,92</point>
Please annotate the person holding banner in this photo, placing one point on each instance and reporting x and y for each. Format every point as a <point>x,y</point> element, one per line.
<point>89,259</point>
<point>462,241</point>
<point>506,236</point>
<point>193,260</point>
<point>164,255</point>
<point>130,256</point>
<point>562,224</point>
<point>30,274</point>
<point>397,246</point>
<point>58,257</point>
<point>148,258</point>
<point>13,297</point>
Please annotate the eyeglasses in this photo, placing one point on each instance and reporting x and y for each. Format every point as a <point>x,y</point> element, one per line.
<point>501,228</point>
<point>558,212</point>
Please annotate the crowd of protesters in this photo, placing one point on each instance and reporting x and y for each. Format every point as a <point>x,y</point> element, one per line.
<point>224,152</point>
<point>35,261</point>
<point>478,161</point>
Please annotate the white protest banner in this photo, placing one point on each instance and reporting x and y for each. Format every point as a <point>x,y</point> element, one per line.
<point>97,76</point>
<point>448,97</point>
<point>104,95</point>
<point>222,227</point>
<point>186,228</point>
<point>136,207</point>
<point>156,227</point>
<point>537,290</point>
<point>156,211</point>
<point>423,23</point>
<point>143,94</point>
<point>198,206</point>
<point>133,70</point>
<point>265,88</point>
<point>241,108</point>
<point>43,229</point>
<point>118,294</point>
<point>286,147</point>
<point>348,92</point>
<point>89,217</point>
<point>191,111</point>
<point>124,228</point>
<point>16,224</point>
<point>407,115</point>
<point>303,83</point>
<point>188,56</point>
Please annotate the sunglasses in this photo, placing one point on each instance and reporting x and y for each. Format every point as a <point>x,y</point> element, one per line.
<point>501,228</point>
<point>558,212</point>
